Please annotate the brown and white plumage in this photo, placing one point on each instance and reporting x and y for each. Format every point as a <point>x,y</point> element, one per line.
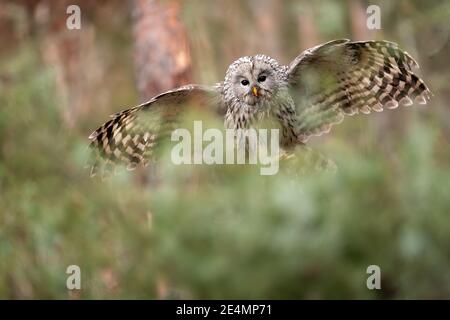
<point>316,90</point>
<point>354,77</point>
<point>131,136</point>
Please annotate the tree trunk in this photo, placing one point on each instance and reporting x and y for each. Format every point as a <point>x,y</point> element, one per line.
<point>161,49</point>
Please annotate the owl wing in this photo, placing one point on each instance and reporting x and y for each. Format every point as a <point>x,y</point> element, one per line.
<point>345,78</point>
<point>131,136</point>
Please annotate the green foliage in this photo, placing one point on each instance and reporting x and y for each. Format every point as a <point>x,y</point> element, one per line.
<point>215,232</point>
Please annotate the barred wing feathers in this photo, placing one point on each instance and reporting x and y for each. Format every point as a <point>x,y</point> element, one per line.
<point>130,137</point>
<point>345,78</point>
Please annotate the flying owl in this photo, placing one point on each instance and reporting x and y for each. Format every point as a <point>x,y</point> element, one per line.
<point>305,98</point>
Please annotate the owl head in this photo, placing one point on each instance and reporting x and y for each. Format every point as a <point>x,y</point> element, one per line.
<point>253,80</point>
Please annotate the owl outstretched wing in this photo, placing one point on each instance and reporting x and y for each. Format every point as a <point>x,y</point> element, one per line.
<point>131,136</point>
<point>345,78</point>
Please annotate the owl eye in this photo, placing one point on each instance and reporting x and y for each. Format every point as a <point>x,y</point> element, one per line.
<point>245,82</point>
<point>261,78</point>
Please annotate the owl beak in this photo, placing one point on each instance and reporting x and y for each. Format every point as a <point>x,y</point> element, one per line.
<point>255,91</point>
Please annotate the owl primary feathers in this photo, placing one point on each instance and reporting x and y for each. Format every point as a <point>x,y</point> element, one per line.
<point>305,98</point>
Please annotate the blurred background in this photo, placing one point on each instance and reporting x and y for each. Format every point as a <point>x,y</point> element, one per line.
<point>215,232</point>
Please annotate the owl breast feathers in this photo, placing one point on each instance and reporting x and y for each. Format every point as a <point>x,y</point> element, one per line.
<point>316,90</point>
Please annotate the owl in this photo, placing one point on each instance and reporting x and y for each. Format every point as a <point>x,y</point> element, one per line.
<point>305,98</point>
